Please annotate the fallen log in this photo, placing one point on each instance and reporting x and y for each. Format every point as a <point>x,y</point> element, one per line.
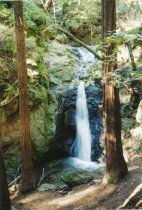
<point>134,201</point>
<point>81,43</point>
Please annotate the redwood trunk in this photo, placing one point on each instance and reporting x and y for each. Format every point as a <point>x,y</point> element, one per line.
<point>26,149</point>
<point>116,167</point>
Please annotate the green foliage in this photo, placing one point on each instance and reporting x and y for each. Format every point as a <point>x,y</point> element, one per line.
<point>126,8</point>
<point>82,19</point>
<point>122,8</point>
<point>139,147</point>
<point>38,22</point>
<point>123,76</point>
<point>122,37</point>
<point>12,160</point>
<point>7,39</point>
<point>37,93</point>
<point>35,24</point>
<point>35,18</point>
<point>4,12</point>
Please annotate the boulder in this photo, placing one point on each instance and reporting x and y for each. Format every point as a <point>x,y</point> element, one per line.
<point>46,187</point>
<point>76,178</point>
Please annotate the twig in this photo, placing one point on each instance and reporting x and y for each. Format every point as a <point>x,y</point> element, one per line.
<point>6,103</point>
<point>128,44</point>
<point>14,181</point>
<point>134,198</point>
<point>41,177</point>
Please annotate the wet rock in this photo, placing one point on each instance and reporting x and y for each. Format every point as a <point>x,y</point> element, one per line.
<point>76,178</point>
<point>66,119</point>
<point>13,208</point>
<point>45,187</point>
<point>62,39</point>
<point>63,187</point>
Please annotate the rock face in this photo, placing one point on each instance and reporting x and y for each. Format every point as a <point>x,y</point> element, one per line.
<point>42,132</point>
<point>53,116</point>
<point>66,120</point>
<point>61,65</point>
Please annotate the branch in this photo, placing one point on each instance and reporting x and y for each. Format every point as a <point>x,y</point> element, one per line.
<point>134,200</point>
<point>3,103</point>
<point>48,4</point>
<point>81,43</point>
<point>128,44</point>
<point>134,67</point>
<point>75,39</point>
<point>43,175</point>
<point>14,181</point>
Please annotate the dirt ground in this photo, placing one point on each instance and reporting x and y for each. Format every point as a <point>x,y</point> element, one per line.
<point>88,196</point>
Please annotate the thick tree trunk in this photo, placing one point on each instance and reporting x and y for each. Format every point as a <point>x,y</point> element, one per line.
<point>4,194</point>
<point>26,149</point>
<point>116,167</point>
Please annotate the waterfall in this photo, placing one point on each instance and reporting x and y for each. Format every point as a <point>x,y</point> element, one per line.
<point>80,151</point>
<point>83,138</point>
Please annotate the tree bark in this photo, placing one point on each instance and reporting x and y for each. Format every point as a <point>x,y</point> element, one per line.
<point>4,194</point>
<point>26,148</point>
<point>116,167</point>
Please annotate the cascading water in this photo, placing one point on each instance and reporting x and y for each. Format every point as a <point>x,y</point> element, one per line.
<point>83,138</point>
<point>80,152</point>
<point>87,60</point>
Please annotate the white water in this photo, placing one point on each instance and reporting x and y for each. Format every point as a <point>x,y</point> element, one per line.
<point>87,59</point>
<point>81,149</point>
<point>83,138</point>
<point>86,56</point>
<point>83,165</point>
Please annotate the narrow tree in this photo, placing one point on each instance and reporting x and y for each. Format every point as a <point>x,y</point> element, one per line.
<point>4,194</point>
<point>26,149</point>
<point>116,167</point>
<point>48,4</point>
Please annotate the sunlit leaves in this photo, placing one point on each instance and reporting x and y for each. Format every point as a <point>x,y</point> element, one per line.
<point>121,77</point>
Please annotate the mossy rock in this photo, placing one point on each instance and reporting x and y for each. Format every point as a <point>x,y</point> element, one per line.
<point>42,128</point>
<point>46,187</point>
<point>76,178</point>
<point>61,62</point>
<point>12,158</point>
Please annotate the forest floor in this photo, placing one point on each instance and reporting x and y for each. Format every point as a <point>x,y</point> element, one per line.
<point>88,196</point>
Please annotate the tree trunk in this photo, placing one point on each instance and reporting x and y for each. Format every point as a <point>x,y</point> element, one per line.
<point>26,149</point>
<point>135,84</point>
<point>116,167</point>
<point>48,4</point>
<point>4,194</point>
